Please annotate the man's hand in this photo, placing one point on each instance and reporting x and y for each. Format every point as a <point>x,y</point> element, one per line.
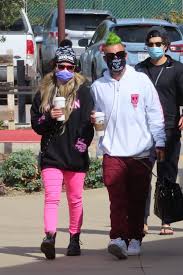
<point>92,117</point>
<point>180,123</point>
<point>160,153</point>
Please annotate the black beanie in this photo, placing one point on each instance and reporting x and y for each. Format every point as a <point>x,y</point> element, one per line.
<point>65,54</point>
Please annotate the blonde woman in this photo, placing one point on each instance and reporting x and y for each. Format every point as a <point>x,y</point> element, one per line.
<point>64,145</point>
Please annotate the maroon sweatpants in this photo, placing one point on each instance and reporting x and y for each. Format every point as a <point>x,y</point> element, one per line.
<point>127,182</point>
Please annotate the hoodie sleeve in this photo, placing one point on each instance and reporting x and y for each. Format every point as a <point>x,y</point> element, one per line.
<point>154,112</point>
<point>86,131</point>
<point>93,93</point>
<point>41,123</point>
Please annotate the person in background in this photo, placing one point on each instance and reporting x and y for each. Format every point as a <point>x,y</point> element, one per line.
<point>133,119</point>
<point>167,77</point>
<point>65,42</point>
<point>64,145</point>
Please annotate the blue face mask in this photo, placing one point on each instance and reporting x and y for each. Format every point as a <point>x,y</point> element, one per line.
<point>64,75</point>
<point>155,52</point>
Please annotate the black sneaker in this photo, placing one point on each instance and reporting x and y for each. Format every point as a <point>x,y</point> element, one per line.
<point>48,246</point>
<point>74,247</point>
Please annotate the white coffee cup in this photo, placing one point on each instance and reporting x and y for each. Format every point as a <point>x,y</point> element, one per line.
<point>59,103</point>
<point>99,123</point>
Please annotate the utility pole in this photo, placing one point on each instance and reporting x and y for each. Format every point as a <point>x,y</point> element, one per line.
<point>61,20</point>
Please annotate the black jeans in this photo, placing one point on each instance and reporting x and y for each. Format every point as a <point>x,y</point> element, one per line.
<point>169,168</point>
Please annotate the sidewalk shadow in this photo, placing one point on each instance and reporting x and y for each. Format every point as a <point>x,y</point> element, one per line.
<point>21,251</point>
<point>155,256</point>
<point>164,247</point>
<point>29,251</point>
<point>90,259</point>
<point>157,228</point>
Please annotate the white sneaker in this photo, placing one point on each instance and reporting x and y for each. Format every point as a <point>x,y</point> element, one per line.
<point>134,247</point>
<point>118,248</point>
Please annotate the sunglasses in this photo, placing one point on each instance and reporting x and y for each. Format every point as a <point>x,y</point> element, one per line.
<point>111,56</point>
<point>62,67</point>
<point>157,44</point>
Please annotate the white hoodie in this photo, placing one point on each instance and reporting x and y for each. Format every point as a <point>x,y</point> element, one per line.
<point>133,114</point>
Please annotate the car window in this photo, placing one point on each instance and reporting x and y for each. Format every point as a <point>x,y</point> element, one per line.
<point>92,41</point>
<point>18,25</point>
<point>181,28</point>
<point>49,23</point>
<point>99,34</point>
<point>137,33</point>
<point>83,22</point>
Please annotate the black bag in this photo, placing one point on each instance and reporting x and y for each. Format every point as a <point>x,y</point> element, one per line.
<point>168,204</point>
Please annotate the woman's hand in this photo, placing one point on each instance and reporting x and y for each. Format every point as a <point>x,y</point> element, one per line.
<point>56,113</point>
<point>181,123</point>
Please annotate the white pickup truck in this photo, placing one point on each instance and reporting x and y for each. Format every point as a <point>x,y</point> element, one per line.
<point>19,39</point>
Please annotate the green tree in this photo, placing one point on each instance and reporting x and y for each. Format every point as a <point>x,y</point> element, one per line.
<point>9,10</point>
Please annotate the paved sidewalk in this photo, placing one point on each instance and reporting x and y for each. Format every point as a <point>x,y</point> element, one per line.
<point>21,234</point>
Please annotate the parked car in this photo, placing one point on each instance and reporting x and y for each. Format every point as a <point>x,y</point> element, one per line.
<point>180,27</point>
<point>38,34</point>
<point>19,39</point>
<point>132,33</point>
<point>79,23</point>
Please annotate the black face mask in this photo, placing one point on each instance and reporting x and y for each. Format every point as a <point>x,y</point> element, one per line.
<point>116,62</point>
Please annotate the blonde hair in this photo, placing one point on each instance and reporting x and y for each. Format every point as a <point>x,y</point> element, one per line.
<point>49,90</point>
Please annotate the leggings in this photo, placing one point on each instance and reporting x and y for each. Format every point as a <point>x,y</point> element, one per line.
<point>53,180</point>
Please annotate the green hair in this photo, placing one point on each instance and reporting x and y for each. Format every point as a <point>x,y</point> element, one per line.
<point>112,39</point>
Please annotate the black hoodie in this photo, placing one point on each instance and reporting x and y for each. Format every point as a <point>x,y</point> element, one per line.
<point>67,151</point>
<point>168,81</point>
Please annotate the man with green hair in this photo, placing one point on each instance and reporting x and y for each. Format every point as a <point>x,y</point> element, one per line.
<point>133,119</point>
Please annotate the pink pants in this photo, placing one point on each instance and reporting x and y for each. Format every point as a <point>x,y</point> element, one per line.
<point>74,181</point>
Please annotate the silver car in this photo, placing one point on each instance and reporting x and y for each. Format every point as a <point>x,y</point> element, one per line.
<point>79,23</point>
<point>132,33</point>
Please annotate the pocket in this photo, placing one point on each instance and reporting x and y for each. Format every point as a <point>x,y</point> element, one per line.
<point>110,177</point>
<point>111,170</point>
